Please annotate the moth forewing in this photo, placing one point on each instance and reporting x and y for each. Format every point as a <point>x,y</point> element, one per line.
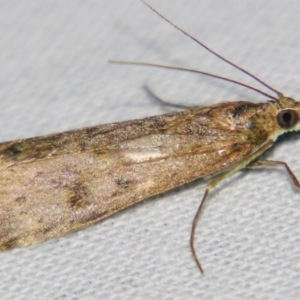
<point>58,183</point>
<point>55,184</point>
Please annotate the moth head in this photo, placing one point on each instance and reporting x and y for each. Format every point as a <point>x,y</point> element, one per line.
<point>288,117</point>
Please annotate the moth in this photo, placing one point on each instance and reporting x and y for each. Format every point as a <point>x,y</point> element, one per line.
<point>56,184</point>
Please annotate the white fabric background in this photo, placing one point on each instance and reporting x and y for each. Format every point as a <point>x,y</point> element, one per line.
<point>54,76</point>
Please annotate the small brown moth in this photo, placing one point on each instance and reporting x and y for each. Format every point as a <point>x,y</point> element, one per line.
<point>55,184</point>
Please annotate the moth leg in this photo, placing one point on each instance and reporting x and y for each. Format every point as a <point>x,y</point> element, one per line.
<point>163,102</point>
<point>260,163</point>
<point>194,224</point>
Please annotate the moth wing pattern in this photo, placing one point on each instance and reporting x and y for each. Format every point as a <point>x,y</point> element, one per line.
<point>59,183</point>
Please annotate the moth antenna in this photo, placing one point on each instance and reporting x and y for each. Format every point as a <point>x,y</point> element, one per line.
<point>279,94</point>
<point>195,71</point>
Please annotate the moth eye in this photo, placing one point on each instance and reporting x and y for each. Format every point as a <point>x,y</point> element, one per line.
<point>287,119</point>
